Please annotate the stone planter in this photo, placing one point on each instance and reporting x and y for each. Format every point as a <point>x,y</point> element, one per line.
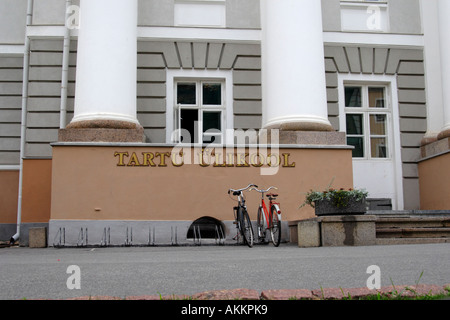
<point>335,231</point>
<point>326,208</point>
<point>348,230</point>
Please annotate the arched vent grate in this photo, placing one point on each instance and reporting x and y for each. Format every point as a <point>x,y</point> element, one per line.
<point>209,228</point>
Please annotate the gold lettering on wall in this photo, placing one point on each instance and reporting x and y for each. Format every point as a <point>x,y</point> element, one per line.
<point>257,160</point>
<point>205,158</point>
<point>270,157</point>
<point>121,155</point>
<point>219,161</point>
<point>148,159</point>
<point>241,160</point>
<point>230,160</point>
<point>286,163</point>
<point>162,156</point>
<point>134,161</point>
<point>178,159</point>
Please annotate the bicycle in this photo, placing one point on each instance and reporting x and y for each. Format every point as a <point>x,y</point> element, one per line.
<point>241,217</point>
<point>269,220</point>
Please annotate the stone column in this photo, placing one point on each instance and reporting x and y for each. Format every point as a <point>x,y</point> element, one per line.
<point>105,96</point>
<point>293,69</point>
<point>444,36</point>
<point>433,77</point>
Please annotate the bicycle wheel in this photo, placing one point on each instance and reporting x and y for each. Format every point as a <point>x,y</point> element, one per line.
<point>245,226</point>
<point>260,225</point>
<point>275,230</point>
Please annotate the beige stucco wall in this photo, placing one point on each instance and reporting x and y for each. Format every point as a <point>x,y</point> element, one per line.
<point>36,192</point>
<point>103,183</point>
<point>434,179</point>
<point>9,190</point>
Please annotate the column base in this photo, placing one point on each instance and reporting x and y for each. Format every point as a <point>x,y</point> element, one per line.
<point>435,144</point>
<point>300,123</point>
<point>444,134</point>
<point>307,137</point>
<point>102,131</point>
<point>427,139</point>
<point>435,148</point>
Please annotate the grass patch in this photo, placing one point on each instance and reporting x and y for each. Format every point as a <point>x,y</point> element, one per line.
<point>380,296</point>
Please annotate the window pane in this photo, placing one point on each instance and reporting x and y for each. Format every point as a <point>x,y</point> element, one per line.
<point>212,139</point>
<point>186,93</point>
<point>189,120</point>
<point>364,17</point>
<point>355,124</point>
<point>378,148</point>
<point>200,13</point>
<point>212,121</point>
<point>353,97</point>
<point>358,143</point>
<point>378,124</point>
<point>376,98</point>
<point>212,94</point>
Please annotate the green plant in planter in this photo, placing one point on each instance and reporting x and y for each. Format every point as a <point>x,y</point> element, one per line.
<point>340,198</point>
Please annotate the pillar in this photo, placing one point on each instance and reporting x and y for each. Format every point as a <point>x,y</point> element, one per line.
<point>433,77</point>
<point>105,96</point>
<point>434,166</point>
<point>444,37</point>
<point>293,69</point>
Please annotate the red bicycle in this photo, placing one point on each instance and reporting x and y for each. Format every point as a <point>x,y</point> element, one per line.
<point>269,219</point>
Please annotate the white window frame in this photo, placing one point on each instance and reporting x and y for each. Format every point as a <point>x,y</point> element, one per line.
<point>390,81</point>
<point>367,112</point>
<point>223,76</point>
<point>200,107</point>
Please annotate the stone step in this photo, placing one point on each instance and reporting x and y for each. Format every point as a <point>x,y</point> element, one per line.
<point>400,241</point>
<point>412,229</point>
<point>418,232</point>
<point>409,222</point>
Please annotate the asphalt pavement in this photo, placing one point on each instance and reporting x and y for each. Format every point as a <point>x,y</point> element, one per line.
<point>50,273</point>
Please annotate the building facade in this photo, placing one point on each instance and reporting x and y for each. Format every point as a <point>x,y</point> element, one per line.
<point>98,97</point>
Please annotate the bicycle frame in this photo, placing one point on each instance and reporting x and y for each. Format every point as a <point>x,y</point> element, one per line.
<point>242,220</point>
<point>266,214</point>
<point>267,219</point>
<point>239,193</point>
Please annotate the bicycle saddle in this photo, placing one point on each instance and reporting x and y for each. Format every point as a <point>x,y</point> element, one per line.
<point>271,195</point>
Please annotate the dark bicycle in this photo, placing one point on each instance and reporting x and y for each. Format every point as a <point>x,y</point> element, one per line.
<point>241,217</point>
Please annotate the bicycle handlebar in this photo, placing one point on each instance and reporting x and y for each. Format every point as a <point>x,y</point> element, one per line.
<point>240,190</point>
<point>263,191</point>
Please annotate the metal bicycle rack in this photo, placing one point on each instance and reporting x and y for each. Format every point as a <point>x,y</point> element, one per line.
<point>82,238</point>
<point>197,236</point>
<point>129,237</point>
<point>215,236</point>
<point>174,236</point>
<point>62,238</point>
<point>151,237</point>
<point>220,237</point>
<point>106,238</point>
